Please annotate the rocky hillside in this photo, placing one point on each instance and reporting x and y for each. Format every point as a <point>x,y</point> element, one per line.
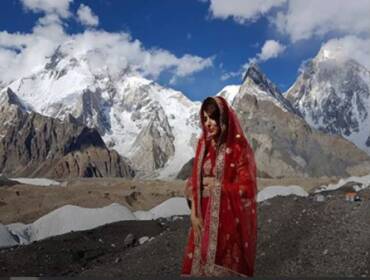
<point>35,145</point>
<point>284,143</point>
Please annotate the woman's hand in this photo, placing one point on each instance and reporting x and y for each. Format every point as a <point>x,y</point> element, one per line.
<point>209,183</point>
<point>197,225</point>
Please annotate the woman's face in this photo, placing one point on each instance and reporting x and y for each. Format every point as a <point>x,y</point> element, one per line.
<point>211,126</point>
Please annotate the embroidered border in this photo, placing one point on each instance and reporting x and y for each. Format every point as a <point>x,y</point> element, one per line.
<point>215,201</point>
<point>195,267</point>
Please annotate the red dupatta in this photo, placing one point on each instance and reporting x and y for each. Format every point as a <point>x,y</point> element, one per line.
<point>229,226</point>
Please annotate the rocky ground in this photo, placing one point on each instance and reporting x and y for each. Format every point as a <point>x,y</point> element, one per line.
<point>296,237</point>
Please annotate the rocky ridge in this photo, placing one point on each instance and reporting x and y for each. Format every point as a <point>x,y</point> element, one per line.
<point>35,145</point>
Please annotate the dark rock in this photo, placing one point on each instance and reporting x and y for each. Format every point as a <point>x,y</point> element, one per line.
<point>35,145</point>
<point>129,240</point>
<point>185,171</point>
<point>4,181</point>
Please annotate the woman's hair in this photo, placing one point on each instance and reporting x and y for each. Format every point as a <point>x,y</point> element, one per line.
<point>210,106</point>
<point>213,110</point>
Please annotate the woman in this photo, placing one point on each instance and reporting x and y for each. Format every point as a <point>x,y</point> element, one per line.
<point>222,239</point>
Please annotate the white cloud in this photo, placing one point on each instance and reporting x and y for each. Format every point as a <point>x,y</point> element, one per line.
<point>349,47</point>
<point>24,53</point>
<point>270,49</point>
<point>300,19</point>
<point>190,63</point>
<point>118,50</point>
<point>59,7</point>
<point>242,10</point>
<point>229,75</point>
<point>50,19</point>
<point>304,19</point>
<point>86,16</point>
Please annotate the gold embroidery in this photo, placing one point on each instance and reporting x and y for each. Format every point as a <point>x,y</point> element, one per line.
<point>211,268</point>
<point>195,268</point>
<point>215,209</point>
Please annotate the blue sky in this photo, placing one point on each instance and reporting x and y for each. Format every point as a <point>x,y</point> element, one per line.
<point>220,30</point>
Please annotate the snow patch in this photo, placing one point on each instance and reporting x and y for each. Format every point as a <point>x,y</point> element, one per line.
<point>172,207</point>
<point>363,180</point>
<point>36,181</point>
<point>272,191</point>
<point>229,92</point>
<point>6,238</point>
<point>74,218</point>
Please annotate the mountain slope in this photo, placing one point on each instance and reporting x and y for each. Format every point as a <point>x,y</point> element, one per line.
<point>34,145</point>
<point>130,112</point>
<point>333,95</point>
<point>284,144</point>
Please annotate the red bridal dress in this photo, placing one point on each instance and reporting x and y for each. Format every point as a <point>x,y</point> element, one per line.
<point>227,246</point>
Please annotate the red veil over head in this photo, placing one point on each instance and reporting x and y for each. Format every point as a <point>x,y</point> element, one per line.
<point>229,226</point>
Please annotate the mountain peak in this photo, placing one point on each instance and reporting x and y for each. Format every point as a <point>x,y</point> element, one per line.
<point>256,83</point>
<point>334,53</point>
<point>253,72</point>
<point>8,97</point>
<point>255,75</point>
<point>55,58</point>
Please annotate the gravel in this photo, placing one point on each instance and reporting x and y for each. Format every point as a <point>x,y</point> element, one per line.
<point>297,237</point>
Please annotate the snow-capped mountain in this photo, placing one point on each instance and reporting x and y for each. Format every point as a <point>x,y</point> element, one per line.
<point>284,143</point>
<point>155,127</point>
<point>333,95</point>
